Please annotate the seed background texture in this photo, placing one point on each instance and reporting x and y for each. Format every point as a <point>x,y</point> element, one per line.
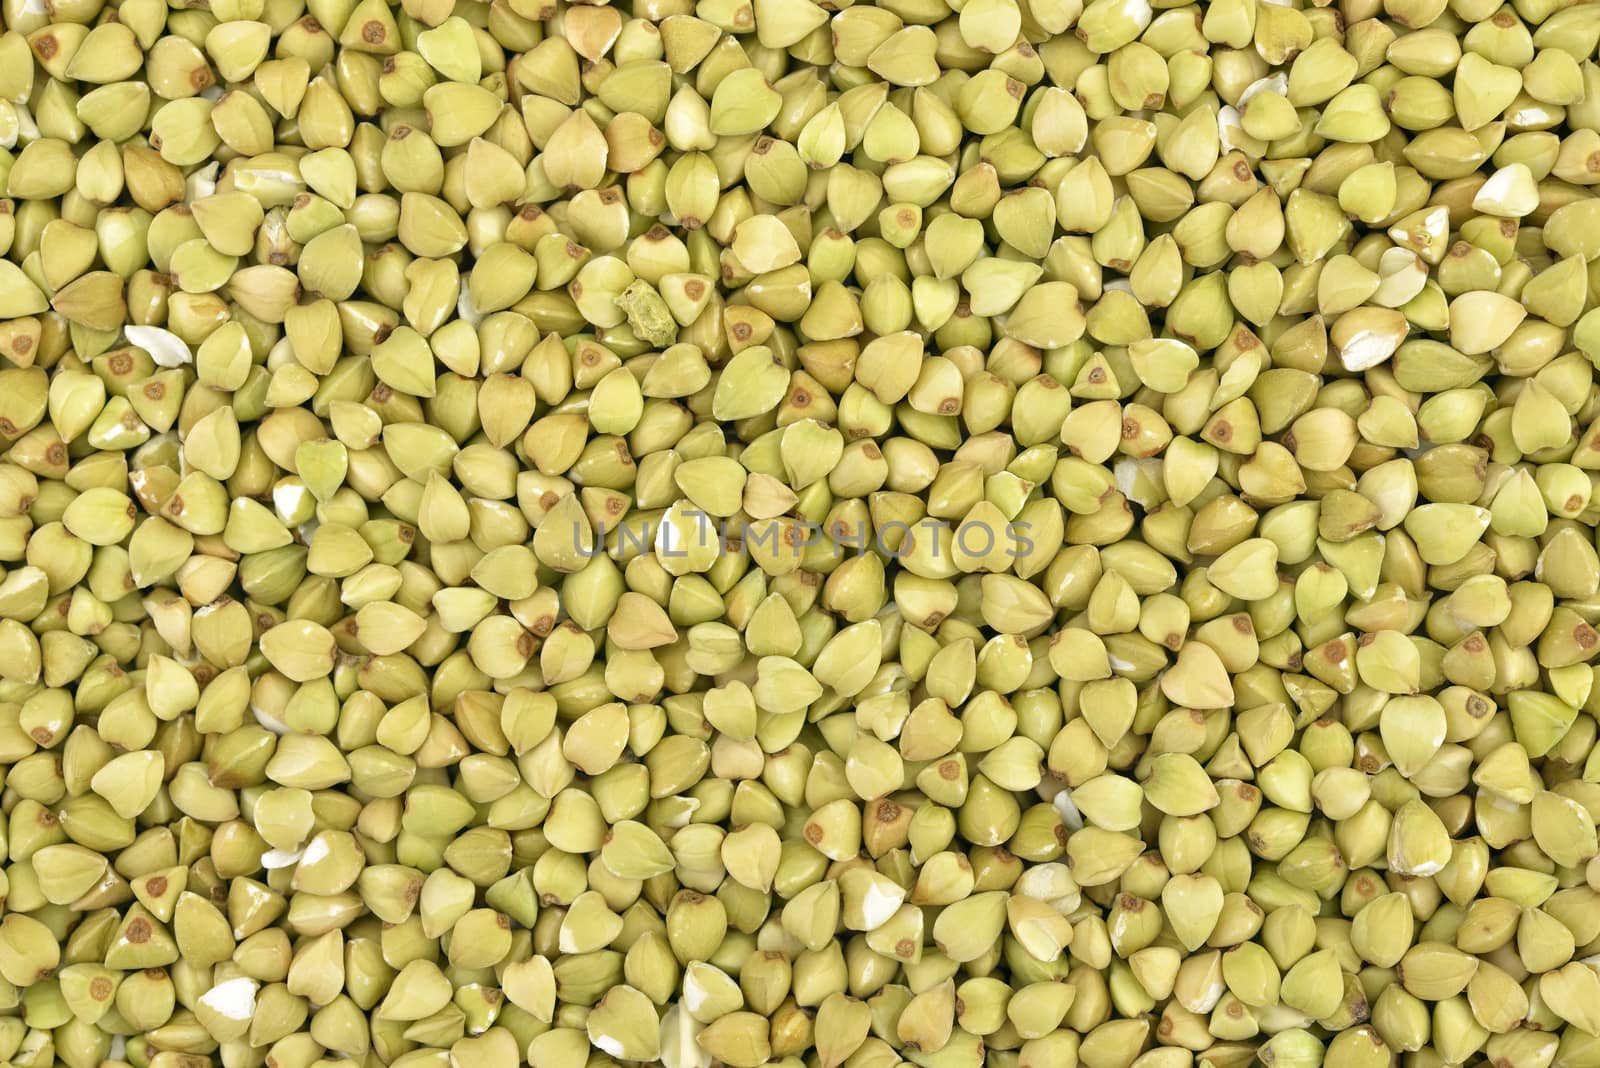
<point>778,534</point>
